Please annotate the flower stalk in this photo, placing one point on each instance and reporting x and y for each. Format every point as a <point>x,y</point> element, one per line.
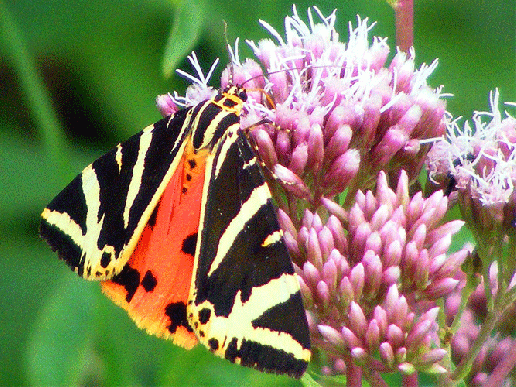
<point>404,11</point>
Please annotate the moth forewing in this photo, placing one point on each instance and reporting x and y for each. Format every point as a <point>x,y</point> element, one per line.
<point>95,222</point>
<point>244,284</point>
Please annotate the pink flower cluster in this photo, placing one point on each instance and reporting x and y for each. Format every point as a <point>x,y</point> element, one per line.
<point>370,287</point>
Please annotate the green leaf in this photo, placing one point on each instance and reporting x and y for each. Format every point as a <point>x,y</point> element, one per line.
<point>185,33</point>
<point>60,349</point>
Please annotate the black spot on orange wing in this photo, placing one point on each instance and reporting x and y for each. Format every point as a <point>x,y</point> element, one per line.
<point>189,244</point>
<point>188,177</point>
<point>152,219</point>
<point>176,312</point>
<point>192,163</point>
<point>129,278</point>
<point>149,282</point>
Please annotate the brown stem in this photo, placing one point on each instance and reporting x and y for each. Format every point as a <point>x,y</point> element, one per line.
<point>410,380</point>
<point>353,373</point>
<point>465,366</point>
<point>374,378</point>
<point>502,370</point>
<point>404,10</point>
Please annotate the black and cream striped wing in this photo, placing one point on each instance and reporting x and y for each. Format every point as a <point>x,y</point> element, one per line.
<point>245,304</point>
<point>95,222</point>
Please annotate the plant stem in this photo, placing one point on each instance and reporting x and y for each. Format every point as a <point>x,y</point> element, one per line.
<point>353,373</point>
<point>33,87</point>
<point>410,380</point>
<point>492,317</point>
<point>404,10</point>
<point>504,367</point>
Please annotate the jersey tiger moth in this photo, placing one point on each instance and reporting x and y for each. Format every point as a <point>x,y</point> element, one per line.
<point>178,224</point>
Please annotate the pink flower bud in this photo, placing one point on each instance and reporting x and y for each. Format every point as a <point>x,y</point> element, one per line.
<point>380,316</point>
<point>411,118</point>
<point>166,105</point>
<point>432,356</point>
<point>352,341</point>
<point>339,238</point>
<point>357,279</point>
<point>346,291</point>
<point>332,335</point>
<point>290,181</point>
<point>401,355</point>
<point>406,368</point>
<point>329,274</point>
<point>265,147</point>
<point>286,223</point>
<point>384,194</point>
<point>440,247</point>
<point>283,146</point>
<point>392,254</point>
<point>291,243</point>
<point>392,142</point>
<point>315,149</point>
<point>280,87</point>
<point>302,237</point>
<point>402,189</point>
<point>359,355</point>
<point>381,216</point>
<point>302,131</point>
<point>357,319</point>
<point>339,261</point>
<point>448,228</point>
<point>372,116</point>
<point>387,353</point>
<point>373,271</point>
<point>373,243</point>
<point>391,275</point>
<point>441,288</point>
<point>342,170</point>
<point>308,218</point>
<point>338,143</point>
<point>421,270</point>
<point>311,274</point>
<point>325,242</point>
<point>299,159</point>
<point>308,299</point>
<point>372,336</point>
<point>323,294</point>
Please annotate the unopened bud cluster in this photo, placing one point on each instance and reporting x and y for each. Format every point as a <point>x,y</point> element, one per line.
<point>370,287</point>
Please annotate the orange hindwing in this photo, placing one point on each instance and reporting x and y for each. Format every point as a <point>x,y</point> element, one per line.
<point>153,287</point>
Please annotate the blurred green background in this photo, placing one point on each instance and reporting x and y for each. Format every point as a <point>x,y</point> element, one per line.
<point>77,77</point>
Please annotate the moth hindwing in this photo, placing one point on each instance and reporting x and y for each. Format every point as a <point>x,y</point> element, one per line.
<point>179,225</point>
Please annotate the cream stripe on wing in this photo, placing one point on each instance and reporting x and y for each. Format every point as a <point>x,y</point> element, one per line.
<point>239,323</point>
<point>256,200</point>
<point>138,168</point>
<point>86,241</point>
<point>227,141</point>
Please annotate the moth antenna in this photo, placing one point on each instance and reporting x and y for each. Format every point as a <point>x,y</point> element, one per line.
<point>269,99</point>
